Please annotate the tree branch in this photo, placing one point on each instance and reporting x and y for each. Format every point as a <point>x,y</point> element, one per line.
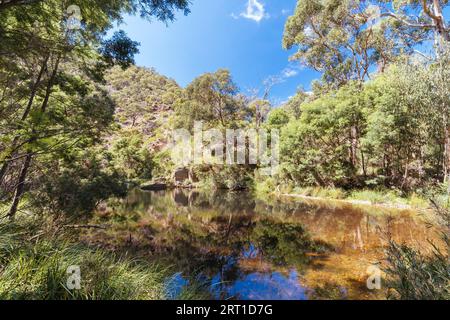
<point>406,22</point>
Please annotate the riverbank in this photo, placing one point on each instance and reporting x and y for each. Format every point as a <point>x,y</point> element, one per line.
<point>390,199</point>
<point>398,206</point>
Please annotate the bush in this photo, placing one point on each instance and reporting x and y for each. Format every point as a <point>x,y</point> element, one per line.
<point>76,187</point>
<point>265,187</point>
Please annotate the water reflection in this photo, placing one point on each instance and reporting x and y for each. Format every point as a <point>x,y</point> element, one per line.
<point>246,248</point>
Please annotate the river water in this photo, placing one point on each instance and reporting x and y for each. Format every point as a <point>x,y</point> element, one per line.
<point>240,247</point>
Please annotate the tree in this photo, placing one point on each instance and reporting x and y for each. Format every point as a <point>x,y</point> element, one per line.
<point>338,38</point>
<point>163,10</point>
<point>212,98</point>
<point>398,125</point>
<point>259,110</point>
<point>277,118</point>
<point>418,20</point>
<point>292,107</point>
<point>344,39</point>
<point>315,148</point>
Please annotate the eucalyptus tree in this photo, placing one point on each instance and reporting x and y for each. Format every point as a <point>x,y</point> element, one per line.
<point>417,21</point>
<point>350,39</point>
<point>342,40</point>
<point>213,98</point>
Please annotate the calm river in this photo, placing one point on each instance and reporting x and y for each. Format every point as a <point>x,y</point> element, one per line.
<point>240,247</point>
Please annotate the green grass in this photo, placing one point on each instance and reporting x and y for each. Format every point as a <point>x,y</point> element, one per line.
<point>330,193</point>
<point>390,197</point>
<point>39,271</point>
<point>382,196</point>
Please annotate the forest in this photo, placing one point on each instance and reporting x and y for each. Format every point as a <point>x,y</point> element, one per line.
<point>82,126</point>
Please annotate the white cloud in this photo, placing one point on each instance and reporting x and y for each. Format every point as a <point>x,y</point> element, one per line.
<point>289,73</point>
<point>292,70</point>
<point>255,11</point>
<point>234,16</point>
<point>285,12</point>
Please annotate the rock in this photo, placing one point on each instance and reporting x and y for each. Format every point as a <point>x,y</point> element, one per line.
<point>154,187</point>
<point>181,175</point>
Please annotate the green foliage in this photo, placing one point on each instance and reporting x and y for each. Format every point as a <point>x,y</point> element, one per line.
<point>225,177</point>
<point>333,37</point>
<point>314,148</point>
<point>78,186</point>
<point>277,119</point>
<point>144,98</point>
<point>211,98</point>
<point>381,133</point>
<point>293,106</point>
<point>130,156</point>
<point>119,50</point>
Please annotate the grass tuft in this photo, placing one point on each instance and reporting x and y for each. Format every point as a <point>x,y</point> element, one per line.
<point>38,271</point>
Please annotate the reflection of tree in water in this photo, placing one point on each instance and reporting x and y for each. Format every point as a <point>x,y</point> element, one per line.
<point>348,226</point>
<point>235,202</point>
<point>285,244</point>
<point>217,249</point>
<point>229,237</point>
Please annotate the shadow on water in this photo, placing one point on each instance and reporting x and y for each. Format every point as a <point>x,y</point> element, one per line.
<point>245,248</point>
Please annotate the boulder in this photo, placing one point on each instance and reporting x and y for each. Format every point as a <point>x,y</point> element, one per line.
<point>181,175</point>
<point>154,187</point>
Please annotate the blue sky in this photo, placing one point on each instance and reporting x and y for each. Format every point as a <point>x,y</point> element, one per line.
<point>239,35</point>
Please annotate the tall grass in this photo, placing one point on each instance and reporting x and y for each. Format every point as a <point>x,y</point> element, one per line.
<point>414,275</point>
<point>39,271</point>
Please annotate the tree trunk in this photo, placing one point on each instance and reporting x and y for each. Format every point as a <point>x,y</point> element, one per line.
<point>440,21</point>
<point>446,165</point>
<point>354,146</point>
<point>442,35</point>
<point>363,163</point>
<point>3,171</point>
<point>20,189</point>
<point>319,180</point>
<point>405,176</point>
<point>23,173</point>
<point>25,114</point>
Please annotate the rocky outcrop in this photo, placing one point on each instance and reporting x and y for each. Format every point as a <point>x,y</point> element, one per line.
<point>181,175</point>
<point>184,177</point>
